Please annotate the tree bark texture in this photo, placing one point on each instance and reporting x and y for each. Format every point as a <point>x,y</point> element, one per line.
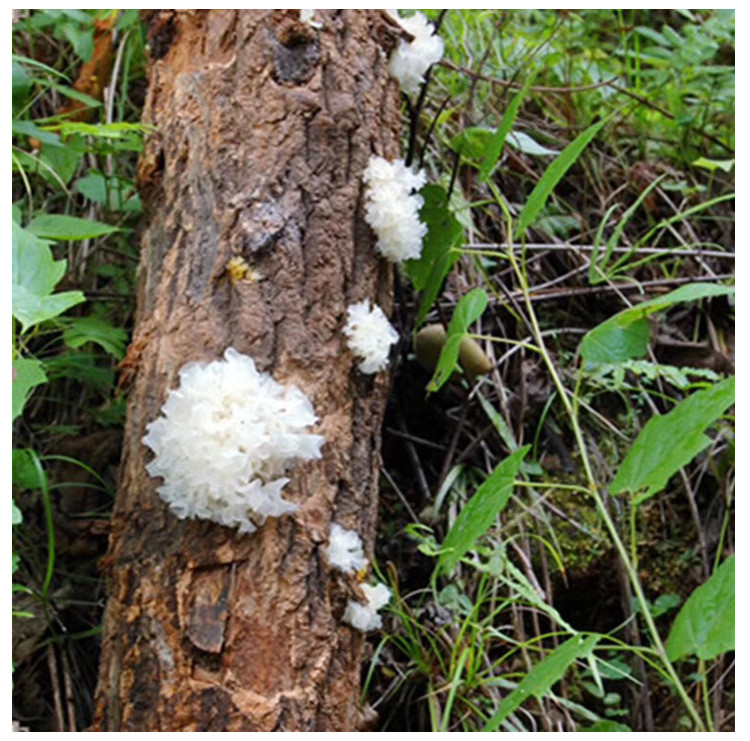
<point>264,127</point>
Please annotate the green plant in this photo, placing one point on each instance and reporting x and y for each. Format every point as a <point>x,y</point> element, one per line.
<point>72,276</point>
<point>474,560</point>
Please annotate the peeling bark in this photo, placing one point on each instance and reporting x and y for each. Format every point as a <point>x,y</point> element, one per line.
<point>264,128</point>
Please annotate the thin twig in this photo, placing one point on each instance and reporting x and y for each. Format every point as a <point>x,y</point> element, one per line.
<point>515,86</point>
<point>55,681</point>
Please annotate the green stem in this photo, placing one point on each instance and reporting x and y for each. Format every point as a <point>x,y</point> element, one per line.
<point>704,689</point>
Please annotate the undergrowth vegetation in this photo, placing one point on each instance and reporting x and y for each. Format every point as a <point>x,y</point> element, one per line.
<point>558,532</point>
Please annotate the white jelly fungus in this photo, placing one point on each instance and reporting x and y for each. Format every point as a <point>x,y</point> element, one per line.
<point>370,336</point>
<point>225,439</point>
<point>411,59</point>
<point>344,550</point>
<point>365,617</point>
<point>392,209</point>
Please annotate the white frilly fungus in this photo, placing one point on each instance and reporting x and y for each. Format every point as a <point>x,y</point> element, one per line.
<point>370,336</point>
<point>410,60</point>
<point>225,439</point>
<point>392,209</point>
<point>365,617</point>
<point>344,550</point>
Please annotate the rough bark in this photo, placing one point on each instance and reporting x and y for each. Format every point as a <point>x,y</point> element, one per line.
<point>264,128</point>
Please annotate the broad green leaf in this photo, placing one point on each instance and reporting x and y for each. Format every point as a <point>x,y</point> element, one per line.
<point>27,374</point>
<point>35,274</point>
<point>481,511</point>
<point>56,165</point>
<point>704,627</point>
<point>494,147</point>
<point>670,441</point>
<point>33,266</point>
<point>606,726</point>
<point>89,329</point>
<point>443,232</point>
<point>616,340</point>
<point>62,227</point>
<point>552,176</point>
<point>114,193</point>
<point>467,311</point>
<point>625,336</point>
<point>538,682</point>
<point>31,309</point>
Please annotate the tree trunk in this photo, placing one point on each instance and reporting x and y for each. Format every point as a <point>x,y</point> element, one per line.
<point>264,126</point>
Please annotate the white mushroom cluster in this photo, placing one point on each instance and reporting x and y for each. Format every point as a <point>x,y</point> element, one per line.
<point>392,208</point>
<point>345,553</point>
<point>369,336</point>
<point>411,59</point>
<point>226,438</point>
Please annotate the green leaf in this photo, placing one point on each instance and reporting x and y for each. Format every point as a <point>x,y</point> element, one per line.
<point>467,311</point>
<point>25,472</point>
<point>664,603</point>
<point>552,176</point>
<point>35,274</point>
<point>16,517</point>
<point>89,329</point>
<point>471,143</point>
<point>725,165</point>
<point>494,147</point>
<point>81,366</point>
<point>606,726</point>
<point>704,627</point>
<point>70,92</point>
<point>481,511</point>
<point>56,165</point>
<point>21,83</point>
<point>444,232</point>
<point>61,227</point>
<point>39,65</point>
<point>116,194</point>
<point>29,128</point>
<point>626,335</point>
<point>538,682</point>
<point>528,145</point>
<point>27,374</point>
<point>668,442</point>
<point>81,39</point>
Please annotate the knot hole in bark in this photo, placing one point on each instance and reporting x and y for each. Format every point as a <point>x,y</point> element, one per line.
<point>296,52</point>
